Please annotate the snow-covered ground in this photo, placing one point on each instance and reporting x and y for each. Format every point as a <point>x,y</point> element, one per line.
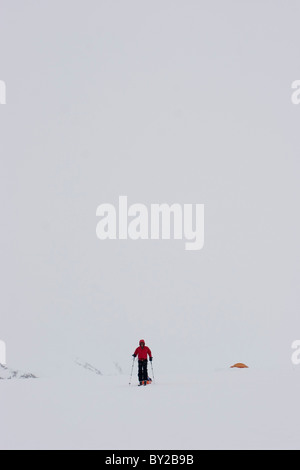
<point>227,409</point>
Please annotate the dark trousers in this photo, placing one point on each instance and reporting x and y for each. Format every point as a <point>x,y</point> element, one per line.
<point>143,370</point>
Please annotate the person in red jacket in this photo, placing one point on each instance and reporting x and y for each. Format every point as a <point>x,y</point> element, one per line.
<point>142,352</point>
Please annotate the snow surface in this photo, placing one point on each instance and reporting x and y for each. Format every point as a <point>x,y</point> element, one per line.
<point>226,409</point>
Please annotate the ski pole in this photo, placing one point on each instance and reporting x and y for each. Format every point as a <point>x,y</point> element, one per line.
<point>132,371</point>
<point>152,371</point>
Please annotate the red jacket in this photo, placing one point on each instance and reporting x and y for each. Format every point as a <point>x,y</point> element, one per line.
<point>143,353</point>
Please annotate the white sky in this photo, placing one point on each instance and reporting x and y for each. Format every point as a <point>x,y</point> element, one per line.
<point>167,101</point>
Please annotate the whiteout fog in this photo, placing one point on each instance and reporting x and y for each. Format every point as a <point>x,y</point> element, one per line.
<point>158,222</point>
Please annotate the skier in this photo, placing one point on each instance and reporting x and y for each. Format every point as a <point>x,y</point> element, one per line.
<point>142,352</point>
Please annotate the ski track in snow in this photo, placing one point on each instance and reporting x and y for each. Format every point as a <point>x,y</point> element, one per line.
<point>230,409</point>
